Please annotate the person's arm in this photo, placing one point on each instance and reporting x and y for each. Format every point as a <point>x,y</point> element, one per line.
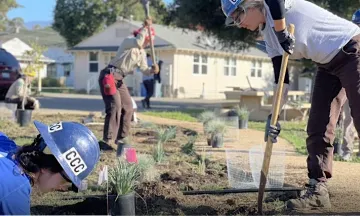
<point>274,131</point>
<point>17,202</point>
<point>20,85</point>
<point>143,65</point>
<point>277,10</point>
<point>140,37</point>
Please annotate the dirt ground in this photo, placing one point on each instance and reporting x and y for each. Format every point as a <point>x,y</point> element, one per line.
<point>180,173</point>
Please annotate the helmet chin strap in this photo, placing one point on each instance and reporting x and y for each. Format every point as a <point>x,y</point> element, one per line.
<point>43,147</point>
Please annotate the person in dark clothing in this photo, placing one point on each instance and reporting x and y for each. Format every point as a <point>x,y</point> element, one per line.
<point>149,83</point>
<point>333,45</point>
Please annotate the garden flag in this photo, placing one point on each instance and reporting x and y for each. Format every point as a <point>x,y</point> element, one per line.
<point>103,175</point>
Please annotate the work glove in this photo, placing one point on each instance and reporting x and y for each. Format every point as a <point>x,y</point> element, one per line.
<point>155,68</point>
<point>272,131</point>
<point>286,40</point>
<point>36,105</point>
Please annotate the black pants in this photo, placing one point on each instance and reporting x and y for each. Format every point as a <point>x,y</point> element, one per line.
<point>149,86</point>
<point>336,82</point>
<point>118,108</point>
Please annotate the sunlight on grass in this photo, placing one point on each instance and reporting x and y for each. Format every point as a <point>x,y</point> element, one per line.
<point>293,132</point>
<point>188,115</point>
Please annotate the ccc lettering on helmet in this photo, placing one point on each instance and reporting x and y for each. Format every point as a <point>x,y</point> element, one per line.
<point>55,127</point>
<point>74,161</point>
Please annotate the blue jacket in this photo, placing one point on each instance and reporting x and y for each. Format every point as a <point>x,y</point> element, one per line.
<point>15,188</point>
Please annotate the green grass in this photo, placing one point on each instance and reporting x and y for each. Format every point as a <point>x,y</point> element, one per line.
<point>188,115</point>
<point>293,132</point>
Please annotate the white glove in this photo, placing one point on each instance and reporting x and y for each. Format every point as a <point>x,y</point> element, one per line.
<point>36,105</point>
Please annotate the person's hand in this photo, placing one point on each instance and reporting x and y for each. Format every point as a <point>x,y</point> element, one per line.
<point>36,105</point>
<point>272,131</point>
<point>148,22</point>
<point>286,40</point>
<point>155,68</point>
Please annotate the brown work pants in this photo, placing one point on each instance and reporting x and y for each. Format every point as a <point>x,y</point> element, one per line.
<point>329,95</point>
<point>118,109</point>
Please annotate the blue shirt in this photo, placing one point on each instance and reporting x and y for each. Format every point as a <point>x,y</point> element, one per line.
<point>150,77</point>
<point>15,188</point>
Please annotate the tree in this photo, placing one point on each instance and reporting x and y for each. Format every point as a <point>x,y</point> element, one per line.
<point>34,57</point>
<point>15,24</point>
<point>77,20</point>
<point>209,16</point>
<point>5,7</point>
<point>37,27</point>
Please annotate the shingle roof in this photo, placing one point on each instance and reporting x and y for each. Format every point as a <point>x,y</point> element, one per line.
<point>178,38</point>
<point>194,40</point>
<point>46,37</point>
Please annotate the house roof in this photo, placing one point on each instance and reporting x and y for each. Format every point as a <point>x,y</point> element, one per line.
<point>17,47</point>
<point>46,37</point>
<point>177,38</point>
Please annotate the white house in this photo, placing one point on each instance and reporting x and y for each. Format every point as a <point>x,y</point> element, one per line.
<point>194,65</point>
<point>17,48</point>
<point>62,68</point>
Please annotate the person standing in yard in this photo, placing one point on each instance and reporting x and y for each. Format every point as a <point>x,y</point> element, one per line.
<point>149,83</point>
<point>333,43</point>
<point>65,152</point>
<point>15,94</point>
<point>118,103</point>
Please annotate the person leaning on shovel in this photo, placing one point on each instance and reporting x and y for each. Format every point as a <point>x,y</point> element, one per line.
<point>16,92</point>
<point>61,153</point>
<point>333,43</point>
<point>118,103</point>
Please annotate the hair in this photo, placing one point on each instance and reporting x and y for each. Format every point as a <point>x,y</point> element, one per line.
<point>32,160</point>
<point>253,4</point>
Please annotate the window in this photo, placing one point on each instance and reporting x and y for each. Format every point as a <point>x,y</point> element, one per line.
<point>256,69</point>
<point>67,69</point>
<point>93,62</point>
<point>51,70</point>
<point>230,67</point>
<point>200,64</point>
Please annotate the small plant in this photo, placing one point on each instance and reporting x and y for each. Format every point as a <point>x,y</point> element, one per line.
<point>202,164</point>
<point>188,148</point>
<point>206,116</point>
<point>123,177</point>
<point>163,135</point>
<point>147,167</point>
<point>217,128</point>
<point>242,112</point>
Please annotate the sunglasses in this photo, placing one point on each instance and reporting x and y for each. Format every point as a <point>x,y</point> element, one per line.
<point>237,17</point>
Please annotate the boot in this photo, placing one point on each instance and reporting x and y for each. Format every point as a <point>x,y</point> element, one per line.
<point>143,103</point>
<point>121,145</point>
<point>148,103</point>
<point>316,196</point>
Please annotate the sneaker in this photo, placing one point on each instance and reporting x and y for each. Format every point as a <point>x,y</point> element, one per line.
<point>346,157</point>
<point>316,196</point>
<point>143,103</point>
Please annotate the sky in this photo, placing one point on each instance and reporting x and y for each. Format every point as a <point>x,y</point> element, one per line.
<point>37,10</point>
